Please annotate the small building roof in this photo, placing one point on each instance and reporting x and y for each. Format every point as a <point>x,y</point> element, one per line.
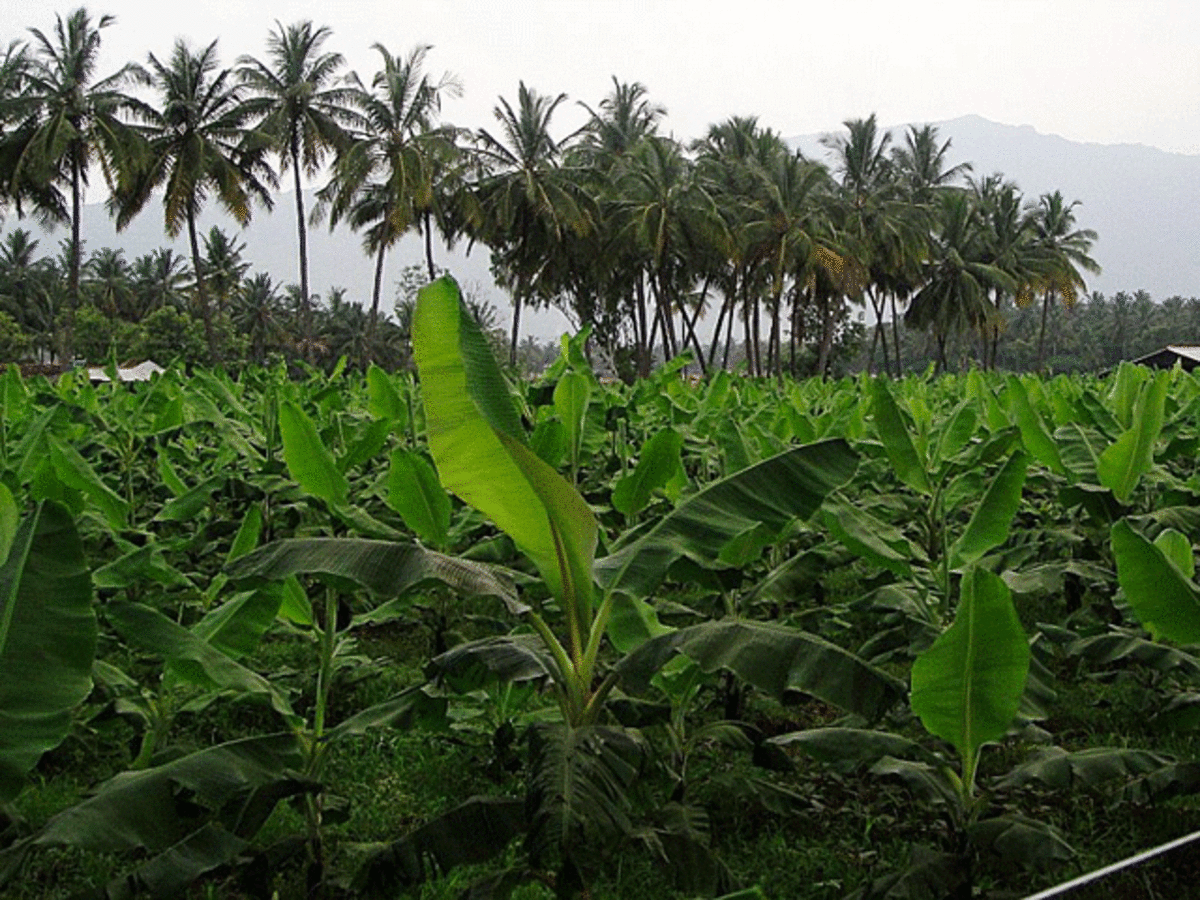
<point>141,372</point>
<point>1187,355</point>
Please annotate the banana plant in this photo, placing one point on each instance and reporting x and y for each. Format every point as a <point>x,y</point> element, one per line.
<point>582,769</point>
<point>966,689</point>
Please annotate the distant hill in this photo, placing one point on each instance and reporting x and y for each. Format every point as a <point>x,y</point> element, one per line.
<point>1143,203</point>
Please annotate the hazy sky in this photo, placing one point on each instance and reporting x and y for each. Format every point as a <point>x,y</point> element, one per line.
<point>1097,70</point>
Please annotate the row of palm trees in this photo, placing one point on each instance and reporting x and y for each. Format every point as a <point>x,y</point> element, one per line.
<point>625,228</point>
<point>144,308</point>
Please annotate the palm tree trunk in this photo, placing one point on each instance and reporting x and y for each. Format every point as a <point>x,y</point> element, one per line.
<point>644,347</point>
<point>301,224</point>
<point>1042,333</point>
<point>76,259</point>
<point>516,322</point>
<point>716,339</point>
<point>214,352</point>
<point>376,289</point>
<point>428,218</point>
<point>896,337</point>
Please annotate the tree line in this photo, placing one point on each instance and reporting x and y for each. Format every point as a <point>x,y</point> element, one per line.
<point>626,229</point>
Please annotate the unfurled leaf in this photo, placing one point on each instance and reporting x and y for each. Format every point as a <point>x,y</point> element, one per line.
<point>1165,600</point>
<point>414,492</point>
<point>658,462</point>
<point>1123,464</point>
<point>893,433</point>
<point>308,459</point>
<point>479,448</point>
<point>967,687</point>
<point>779,661</point>
<point>757,503</point>
<point>47,641</point>
<point>993,516</point>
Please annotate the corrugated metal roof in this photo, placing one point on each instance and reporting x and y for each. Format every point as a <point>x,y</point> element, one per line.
<point>141,372</point>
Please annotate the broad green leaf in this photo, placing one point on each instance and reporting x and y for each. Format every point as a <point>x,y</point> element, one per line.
<point>632,623</point>
<point>412,706</point>
<point>386,568</point>
<point>414,492</point>
<point>308,459</point>
<point>189,504</point>
<point>236,626</point>
<point>863,534</point>
<point>195,813</point>
<point>1164,599</point>
<point>1178,549</point>
<point>1034,435</point>
<point>966,688</point>
<point>10,520</point>
<point>76,472</point>
<point>848,749</point>
<point>993,516</point>
<point>658,462</point>
<point>141,566</point>
<point>477,443</point>
<point>1057,769</point>
<point>189,656</point>
<point>893,433</point>
<point>769,495</point>
<point>365,444</point>
<point>469,834</point>
<point>248,533</point>
<point>957,432</point>
<point>571,397</point>
<point>1124,462</point>
<point>384,400</point>
<point>777,660</point>
<point>47,641</point>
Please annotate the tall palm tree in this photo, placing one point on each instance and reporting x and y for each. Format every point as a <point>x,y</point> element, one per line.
<point>161,278</point>
<point>1009,236</point>
<point>526,199</point>
<point>921,163</point>
<point>661,202</point>
<point>384,182</point>
<point>224,267</point>
<point>881,231</point>
<point>258,314</point>
<point>69,120</point>
<point>198,144</point>
<point>624,118</point>
<point>296,102</point>
<point>959,275</point>
<point>109,281</point>
<point>1062,251</point>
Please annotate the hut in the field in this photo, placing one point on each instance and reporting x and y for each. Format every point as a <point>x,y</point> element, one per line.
<point>140,372</point>
<point>1186,355</point>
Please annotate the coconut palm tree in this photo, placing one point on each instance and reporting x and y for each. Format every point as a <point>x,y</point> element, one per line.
<point>384,181</point>
<point>198,145</point>
<point>109,282</point>
<point>161,278</point>
<point>1061,251</point>
<point>258,313</point>
<point>959,276</point>
<point>66,120</point>
<point>526,199</point>
<point>224,267</point>
<point>881,232</point>
<point>298,102</point>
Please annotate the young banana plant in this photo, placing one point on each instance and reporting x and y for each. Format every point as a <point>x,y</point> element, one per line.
<point>479,447</point>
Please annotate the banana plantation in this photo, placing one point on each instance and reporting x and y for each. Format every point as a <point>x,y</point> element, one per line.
<point>360,634</point>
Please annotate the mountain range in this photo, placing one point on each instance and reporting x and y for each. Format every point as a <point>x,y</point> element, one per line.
<point>1144,204</point>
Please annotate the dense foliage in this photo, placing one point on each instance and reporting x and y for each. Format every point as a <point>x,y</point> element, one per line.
<point>630,232</point>
<point>665,633</point>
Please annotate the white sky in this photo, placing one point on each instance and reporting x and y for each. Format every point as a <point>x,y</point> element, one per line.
<point>1107,71</point>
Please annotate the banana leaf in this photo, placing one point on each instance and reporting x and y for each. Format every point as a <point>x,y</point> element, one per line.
<point>47,638</point>
<point>758,502</point>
